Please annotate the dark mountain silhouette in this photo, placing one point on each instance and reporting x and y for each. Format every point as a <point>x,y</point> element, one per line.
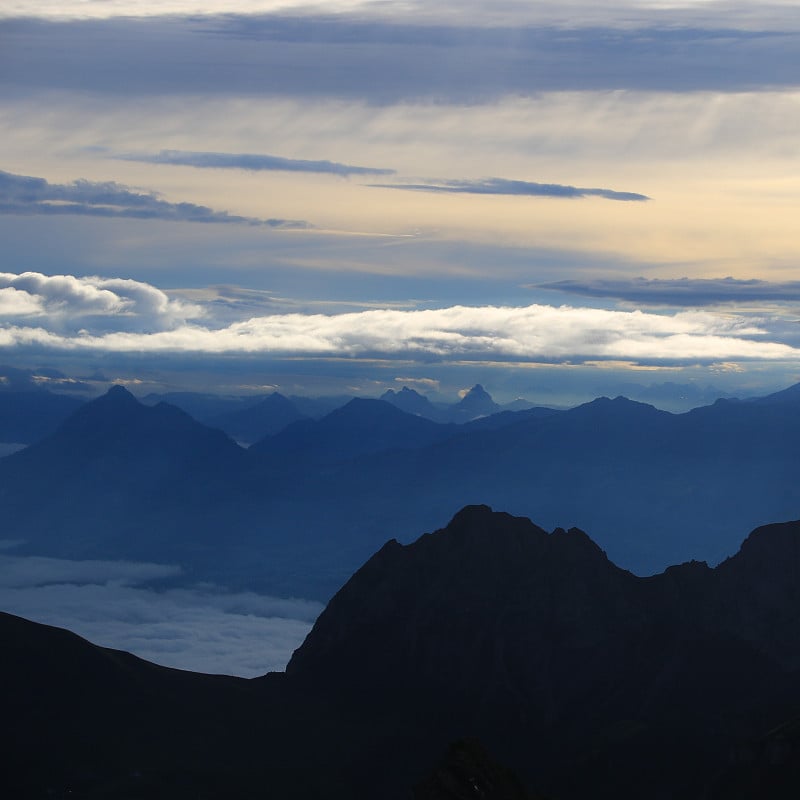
<point>202,405</point>
<point>319,407</point>
<point>579,677</point>
<point>115,475</point>
<point>358,428</point>
<point>477,402</point>
<point>298,511</point>
<point>29,415</point>
<point>412,402</point>
<point>655,487</point>
<point>790,396</point>
<point>266,418</point>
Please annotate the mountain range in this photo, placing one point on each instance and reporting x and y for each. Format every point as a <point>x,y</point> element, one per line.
<point>488,648</point>
<point>296,512</point>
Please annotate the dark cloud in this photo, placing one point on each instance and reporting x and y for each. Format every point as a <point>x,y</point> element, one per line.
<point>503,186</point>
<point>681,291</point>
<point>384,61</point>
<point>24,194</point>
<point>249,161</point>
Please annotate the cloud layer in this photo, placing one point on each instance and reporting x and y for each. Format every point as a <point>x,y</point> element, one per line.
<point>202,629</point>
<point>24,194</point>
<point>535,332</point>
<point>393,56</point>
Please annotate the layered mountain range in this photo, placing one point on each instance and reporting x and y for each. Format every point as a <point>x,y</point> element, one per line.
<point>578,677</point>
<point>297,511</point>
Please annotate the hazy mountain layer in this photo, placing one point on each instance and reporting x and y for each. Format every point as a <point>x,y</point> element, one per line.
<point>298,511</point>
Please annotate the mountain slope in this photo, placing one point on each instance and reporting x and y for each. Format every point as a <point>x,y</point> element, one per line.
<point>115,472</point>
<point>573,669</point>
<point>267,417</point>
<point>358,428</point>
<point>582,678</point>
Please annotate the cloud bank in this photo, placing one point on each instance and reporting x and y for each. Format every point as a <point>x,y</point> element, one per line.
<point>203,628</point>
<point>535,332</point>
<point>249,161</point>
<point>24,194</point>
<point>503,186</point>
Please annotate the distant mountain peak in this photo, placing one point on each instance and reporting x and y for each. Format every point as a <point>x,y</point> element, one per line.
<point>477,402</point>
<point>477,391</point>
<point>119,393</point>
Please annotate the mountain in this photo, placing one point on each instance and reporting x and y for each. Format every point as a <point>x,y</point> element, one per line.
<point>358,428</point>
<point>655,487</point>
<point>119,478</point>
<point>202,405</point>
<point>412,402</point>
<point>477,402</point>
<point>253,422</point>
<point>790,396</point>
<point>577,676</point>
<point>298,511</point>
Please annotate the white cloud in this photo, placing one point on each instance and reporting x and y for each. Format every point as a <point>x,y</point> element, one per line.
<point>17,303</point>
<point>535,332</point>
<point>60,298</point>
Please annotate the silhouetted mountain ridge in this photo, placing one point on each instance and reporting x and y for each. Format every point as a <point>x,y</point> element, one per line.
<point>583,678</point>
<point>358,428</point>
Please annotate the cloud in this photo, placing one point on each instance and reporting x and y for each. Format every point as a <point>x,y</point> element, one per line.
<point>203,628</point>
<point>23,194</point>
<point>249,161</point>
<point>535,332</point>
<point>66,301</point>
<point>681,291</point>
<point>503,186</point>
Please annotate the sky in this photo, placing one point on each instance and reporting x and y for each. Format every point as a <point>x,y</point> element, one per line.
<point>558,200</point>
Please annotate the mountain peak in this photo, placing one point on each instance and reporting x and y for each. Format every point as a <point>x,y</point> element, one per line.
<point>477,392</point>
<point>477,402</point>
<point>119,393</point>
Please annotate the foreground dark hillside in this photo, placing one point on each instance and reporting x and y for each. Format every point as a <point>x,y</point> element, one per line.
<point>577,676</point>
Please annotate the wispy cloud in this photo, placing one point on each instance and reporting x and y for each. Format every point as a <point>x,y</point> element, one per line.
<point>534,332</point>
<point>24,194</point>
<point>681,291</point>
<point>503,186</point>
<point>249,161</point>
